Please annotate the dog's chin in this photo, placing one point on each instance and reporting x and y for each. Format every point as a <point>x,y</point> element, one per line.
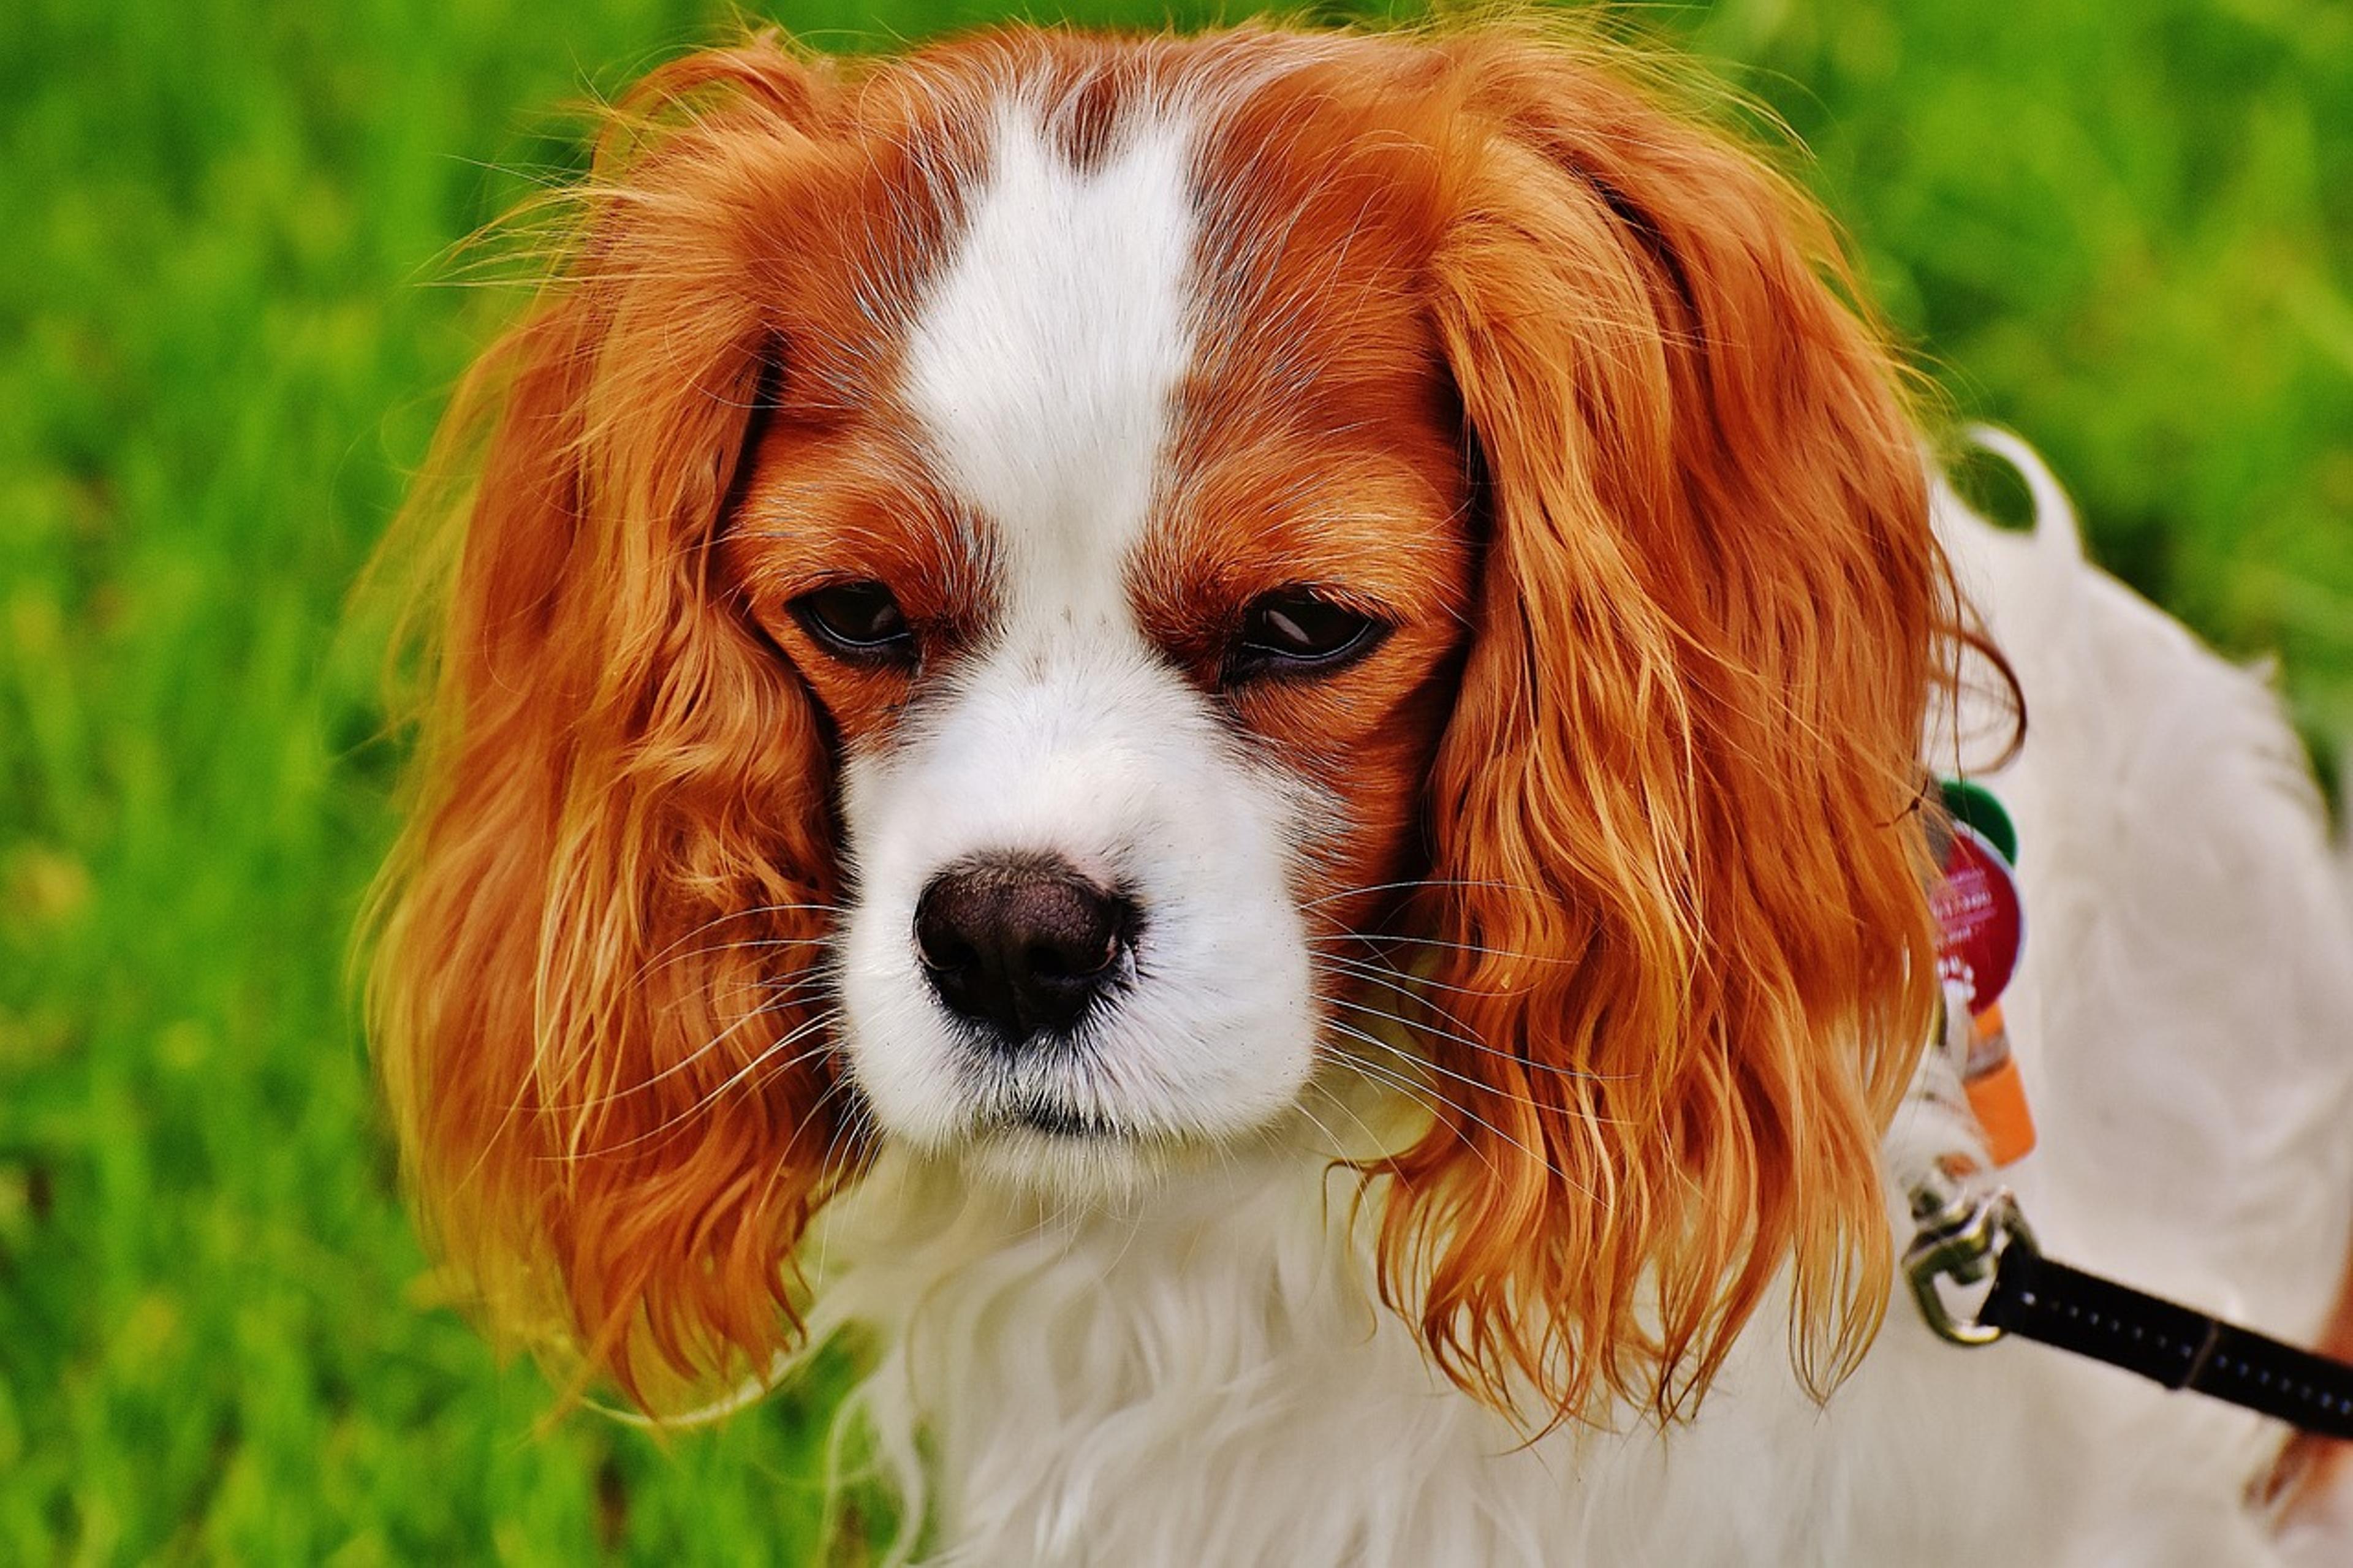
<point>1066,1160</point>
<point>1044,1151</point>
<point>1047,1156</point>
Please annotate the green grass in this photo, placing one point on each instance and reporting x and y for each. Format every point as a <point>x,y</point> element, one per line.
<point>2128,231</point>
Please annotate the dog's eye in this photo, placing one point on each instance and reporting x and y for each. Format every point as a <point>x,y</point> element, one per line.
<point>1298,630</point>
<point>859,621</point>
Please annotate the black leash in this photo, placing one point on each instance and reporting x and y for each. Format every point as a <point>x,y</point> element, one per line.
<point>2038,1298</point>
<point>1971,1235</point>
<point>1964,1240</point>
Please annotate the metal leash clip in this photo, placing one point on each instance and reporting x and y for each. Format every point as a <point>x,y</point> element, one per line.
<point>1963,1233</point>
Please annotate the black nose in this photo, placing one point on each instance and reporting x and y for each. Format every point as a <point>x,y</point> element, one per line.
<point>1022,946</point>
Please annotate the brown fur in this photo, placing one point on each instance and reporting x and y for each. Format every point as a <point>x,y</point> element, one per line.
<point>1560,382</point>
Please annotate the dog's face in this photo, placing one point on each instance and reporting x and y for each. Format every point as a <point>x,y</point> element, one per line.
<point>1126,577</point>
<point>1021,604</point>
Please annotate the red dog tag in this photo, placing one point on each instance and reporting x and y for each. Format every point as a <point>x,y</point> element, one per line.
<point>1980,922</point>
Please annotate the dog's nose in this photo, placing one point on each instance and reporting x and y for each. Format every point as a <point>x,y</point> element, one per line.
<point>1023,947</point>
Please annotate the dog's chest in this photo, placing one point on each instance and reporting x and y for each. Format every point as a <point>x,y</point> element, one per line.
<point>1223,1388</point>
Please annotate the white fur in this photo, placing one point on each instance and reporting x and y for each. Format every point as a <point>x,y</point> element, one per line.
<point>1043,370</point>
<point>1204,1377</point>
<point>1043,363</point>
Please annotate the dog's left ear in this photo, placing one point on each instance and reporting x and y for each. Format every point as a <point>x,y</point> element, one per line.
<point>1678,878</point>
<point>595,1002</point>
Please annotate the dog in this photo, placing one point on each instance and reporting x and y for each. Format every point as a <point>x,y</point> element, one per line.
<point>1231,739</point>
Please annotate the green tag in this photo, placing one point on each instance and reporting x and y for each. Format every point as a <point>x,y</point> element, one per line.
<point>1975,806</point>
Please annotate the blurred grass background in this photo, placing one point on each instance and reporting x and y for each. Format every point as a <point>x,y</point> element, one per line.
<point>2125,231</point>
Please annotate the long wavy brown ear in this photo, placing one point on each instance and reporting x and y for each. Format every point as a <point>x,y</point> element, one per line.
<point>617,1116</point>
<point>1678,879</point>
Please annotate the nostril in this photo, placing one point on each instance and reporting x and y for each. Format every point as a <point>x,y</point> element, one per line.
<point>1077,960</point>
<point>1023,946</point>
<point>937,938</point>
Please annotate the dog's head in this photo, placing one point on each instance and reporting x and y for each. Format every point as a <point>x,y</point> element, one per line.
<point>1035,600</point>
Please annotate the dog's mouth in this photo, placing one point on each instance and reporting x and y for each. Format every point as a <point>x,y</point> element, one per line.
<point>1039,1115</point>
<point>1062,1093</point>
<point>1054,1151</point>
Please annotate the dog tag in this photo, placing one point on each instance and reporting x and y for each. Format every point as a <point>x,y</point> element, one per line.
<point>1997,1094</point>
<point>1981,921</point>
<point>1975,804</point>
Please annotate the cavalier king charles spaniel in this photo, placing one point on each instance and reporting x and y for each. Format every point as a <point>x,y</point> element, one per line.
<point>1230,740</point>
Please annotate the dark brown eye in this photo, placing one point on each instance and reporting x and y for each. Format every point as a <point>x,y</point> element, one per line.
<point>857,621</point>
<point>1298,631</point>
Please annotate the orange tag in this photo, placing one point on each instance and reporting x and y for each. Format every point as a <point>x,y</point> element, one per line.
<point>1997,1094</point>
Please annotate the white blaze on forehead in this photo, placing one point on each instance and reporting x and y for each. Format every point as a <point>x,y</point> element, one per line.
<point>1043,369</point>
<point>1045,362</point>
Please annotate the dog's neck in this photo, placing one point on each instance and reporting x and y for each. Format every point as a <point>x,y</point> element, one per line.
<point>1204,1372</point>
<point>1081,1381</point>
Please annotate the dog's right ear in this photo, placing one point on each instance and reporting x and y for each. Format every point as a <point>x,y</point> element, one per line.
<point>591,998</point>
<point>1678,872</point>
